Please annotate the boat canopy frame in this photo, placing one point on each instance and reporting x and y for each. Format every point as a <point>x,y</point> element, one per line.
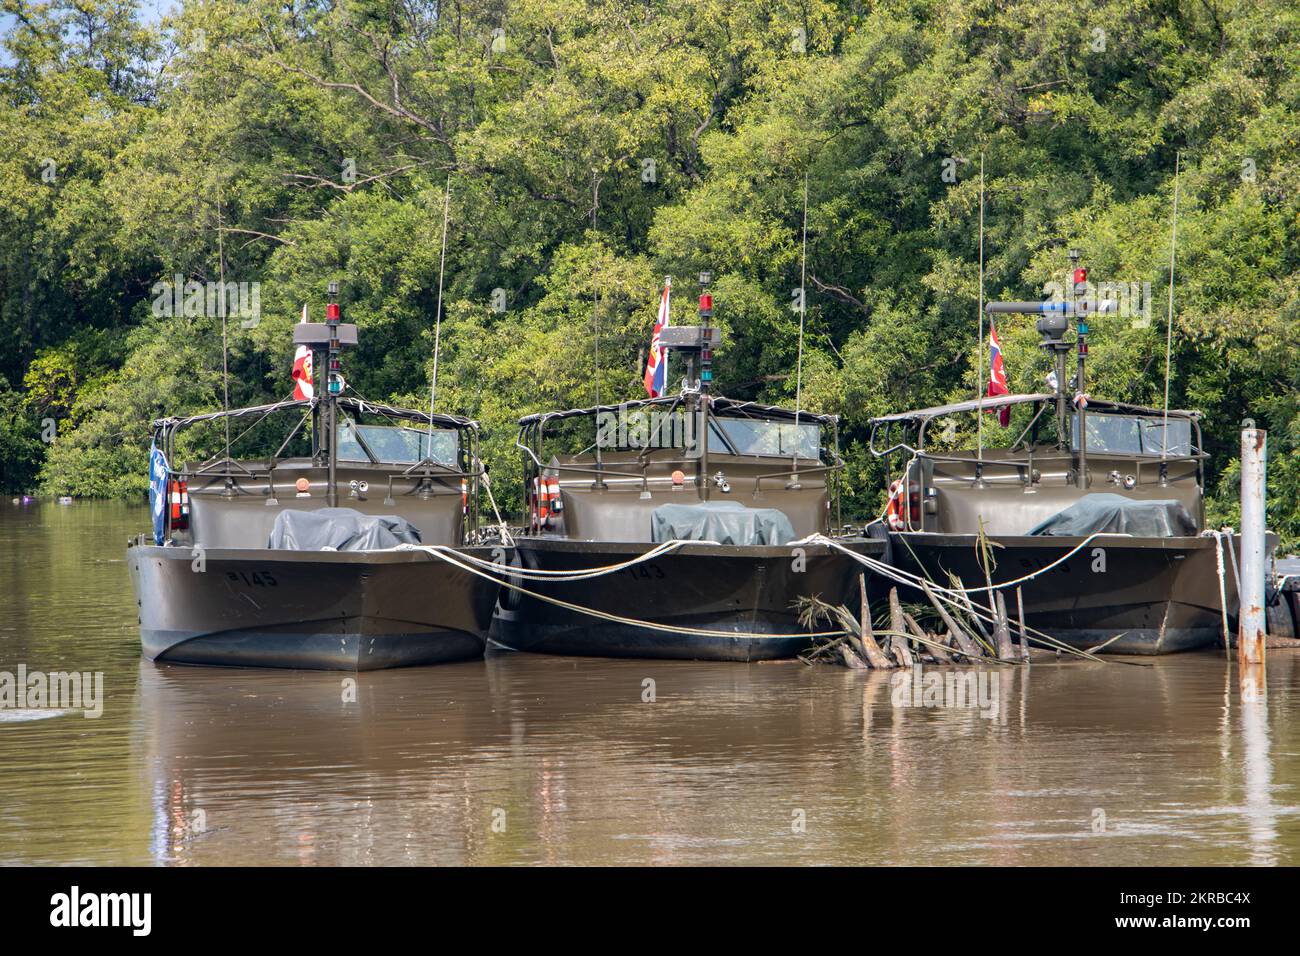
<point>532,436</point>
<point>164,430</point>
<point>920,419</point>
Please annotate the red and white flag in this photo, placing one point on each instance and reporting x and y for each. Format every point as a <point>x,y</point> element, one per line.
<point>302,370</point>
<point>998,377</point>
<point>656,368</point>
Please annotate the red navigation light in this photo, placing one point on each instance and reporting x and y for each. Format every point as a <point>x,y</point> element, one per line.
<point>332,311</point>
<point>706,303</point>
<point>1080,275</point>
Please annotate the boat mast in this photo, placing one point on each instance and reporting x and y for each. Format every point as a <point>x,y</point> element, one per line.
<point>1079,294</point>
<point>333,386</point>
<point>330,338</point>
<point>696,343</point>
<point>1052,326</point>
<point>706,379</point>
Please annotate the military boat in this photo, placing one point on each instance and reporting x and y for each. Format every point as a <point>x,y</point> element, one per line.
<point>311,556</point>
<point>1096,507</point>
<point>694,511</point>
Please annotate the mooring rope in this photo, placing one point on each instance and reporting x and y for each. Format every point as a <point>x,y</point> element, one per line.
<point>451,556</point>
<point>540,574</point>
<point>506,538</point>
<point>913,580</point>
<point>499,574</point>
<point>1218,537</point>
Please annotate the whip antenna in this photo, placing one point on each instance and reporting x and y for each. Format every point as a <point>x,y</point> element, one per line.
<point>1169,323</point>
<point>225,348</point>
<point>437,322</point>
<point>803,312</point>
<point>979,395</point>
<point>595,314</point>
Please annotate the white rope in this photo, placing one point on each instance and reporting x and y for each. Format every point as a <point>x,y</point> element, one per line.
<point>506,538</point>
<point>907,577</point>
<point>454,558</point>
<point>540,574</point>
<point>1223,576</point>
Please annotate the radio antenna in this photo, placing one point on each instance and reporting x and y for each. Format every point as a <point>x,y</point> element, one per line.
<point>803,312</point>
<point>225,347</point>
<point>979,395</point>
<point>1169,323</point>
<point>437,322</point>
<point>595,313</point>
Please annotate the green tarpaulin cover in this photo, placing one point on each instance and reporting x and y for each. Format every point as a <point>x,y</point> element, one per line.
<point>726,522</point>
<point>340,529</point>
<point>1163,518</point>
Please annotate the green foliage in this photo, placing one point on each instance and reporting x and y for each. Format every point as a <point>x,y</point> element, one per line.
<point>291,145</point>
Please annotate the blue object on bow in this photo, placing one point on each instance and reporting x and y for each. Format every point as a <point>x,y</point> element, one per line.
<point>158,471</point>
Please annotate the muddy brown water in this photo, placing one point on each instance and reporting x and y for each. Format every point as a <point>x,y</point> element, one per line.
<point>532,759</point>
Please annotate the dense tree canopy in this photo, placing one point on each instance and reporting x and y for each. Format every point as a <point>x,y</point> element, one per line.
<point>594,147</point>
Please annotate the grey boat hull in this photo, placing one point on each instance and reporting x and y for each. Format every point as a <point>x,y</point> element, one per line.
<point>1135,595</point>
<point>749,592</point>
<point>351,611</point>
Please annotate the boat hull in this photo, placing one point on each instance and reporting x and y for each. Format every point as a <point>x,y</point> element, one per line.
<point>748,592</point>
<point>352,611</point>
<point>1160,595</point>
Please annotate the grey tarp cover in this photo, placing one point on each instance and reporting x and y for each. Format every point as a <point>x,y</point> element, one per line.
<point>342,529</point>
<point>1163,518</point>
<point>726,522</point>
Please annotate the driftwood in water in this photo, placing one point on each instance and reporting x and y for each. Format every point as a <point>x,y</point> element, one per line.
<point>899,647</point>
<point>870,649</point>
<point>963,640</point>
<point>896,623</point>
<point>858,645</point>
<point>964,600</point>
<point>850,658</point>
<point>1002,629</point>
<point>927,641</point>
<point>1024,634</point>
<point>856,648</point>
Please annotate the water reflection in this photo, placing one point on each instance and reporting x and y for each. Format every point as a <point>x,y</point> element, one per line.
<point>1257,765</point>
<point>527,759</point>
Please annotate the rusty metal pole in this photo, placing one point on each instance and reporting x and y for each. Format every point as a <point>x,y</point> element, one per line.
<point>1252,625</point>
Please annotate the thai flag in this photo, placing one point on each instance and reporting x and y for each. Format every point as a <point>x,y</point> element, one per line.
<point>302,370</point>
<point>998,376</point>
<point>656,368</point>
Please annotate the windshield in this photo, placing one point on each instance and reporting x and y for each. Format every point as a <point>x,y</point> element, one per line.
<point>1134,435</point>
<point>397,444</point>
<point>759,436</point>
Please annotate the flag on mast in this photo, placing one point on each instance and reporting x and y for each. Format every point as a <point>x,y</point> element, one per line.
<point>998,376</point>
<point>656,367</point>
<point>302,370</point>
